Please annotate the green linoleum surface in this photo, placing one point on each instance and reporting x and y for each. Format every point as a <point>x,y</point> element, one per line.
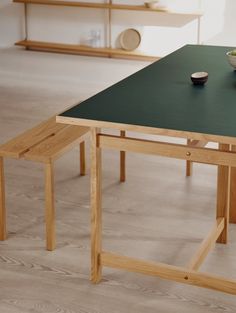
<point>163,96</point>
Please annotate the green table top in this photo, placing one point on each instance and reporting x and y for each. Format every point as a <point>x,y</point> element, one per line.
<point>163,96</point>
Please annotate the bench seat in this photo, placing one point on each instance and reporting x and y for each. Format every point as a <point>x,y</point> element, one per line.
<point>43,143</point>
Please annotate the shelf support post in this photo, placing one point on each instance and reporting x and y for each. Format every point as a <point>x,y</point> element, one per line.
<point>199,24</point>
<point>26,20</point>
<point>109,24</point>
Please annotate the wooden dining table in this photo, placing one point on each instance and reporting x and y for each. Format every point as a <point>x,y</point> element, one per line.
<point>161,100</point>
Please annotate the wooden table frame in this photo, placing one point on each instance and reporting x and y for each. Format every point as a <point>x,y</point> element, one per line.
<point>224,158</point>
<point>160,100</point>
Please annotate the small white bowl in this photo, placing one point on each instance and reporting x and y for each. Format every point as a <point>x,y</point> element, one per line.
<point>231,59</point>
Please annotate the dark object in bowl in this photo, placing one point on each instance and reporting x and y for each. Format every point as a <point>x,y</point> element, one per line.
<point>199,78</point>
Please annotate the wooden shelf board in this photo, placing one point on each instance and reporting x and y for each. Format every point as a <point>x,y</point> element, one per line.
<point>105,6</point>
<point>85,50</point>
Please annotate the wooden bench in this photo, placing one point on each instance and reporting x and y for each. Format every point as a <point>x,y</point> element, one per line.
<point>44,143</point>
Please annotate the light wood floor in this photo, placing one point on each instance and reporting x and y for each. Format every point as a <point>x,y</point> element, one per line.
<point>158,214</point>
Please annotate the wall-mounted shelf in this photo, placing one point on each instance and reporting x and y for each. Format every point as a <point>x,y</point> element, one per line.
<point>113,6</point>
<point>84,50</point>
<point>87,50</point>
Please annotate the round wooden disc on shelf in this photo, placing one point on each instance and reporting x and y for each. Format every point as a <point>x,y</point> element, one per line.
<point>130,39</point>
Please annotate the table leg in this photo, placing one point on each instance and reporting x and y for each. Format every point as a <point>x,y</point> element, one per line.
<point>3,233</point>
<point>122,161</point>
<point>96,210</point>
<point>189,164</point>
<point>82,159</point>
<point>223,195</point>
<point>232,207</point>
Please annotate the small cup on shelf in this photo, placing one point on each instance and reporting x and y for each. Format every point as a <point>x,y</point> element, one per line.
<point>151,4</point>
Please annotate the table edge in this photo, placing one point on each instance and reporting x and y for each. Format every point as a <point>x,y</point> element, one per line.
<point>146,129</point>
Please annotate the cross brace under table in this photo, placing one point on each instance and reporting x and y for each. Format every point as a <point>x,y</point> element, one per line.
<point>224,158</point>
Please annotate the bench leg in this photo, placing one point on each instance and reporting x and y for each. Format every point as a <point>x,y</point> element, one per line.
<point>3,233</point>
<point>49,206</point>
<point>82,159</point>
<point>122,161</point>
<point>223,195</point>
<point>189,164</point>
<point>232,210</point>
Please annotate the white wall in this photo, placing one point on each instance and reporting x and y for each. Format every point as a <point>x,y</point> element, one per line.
<point>160,34</point>
<point>227,35</point>
<point>11,22</point>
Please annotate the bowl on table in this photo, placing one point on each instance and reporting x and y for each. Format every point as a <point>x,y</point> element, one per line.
<point>231,56</point>
<point>199,78</point>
